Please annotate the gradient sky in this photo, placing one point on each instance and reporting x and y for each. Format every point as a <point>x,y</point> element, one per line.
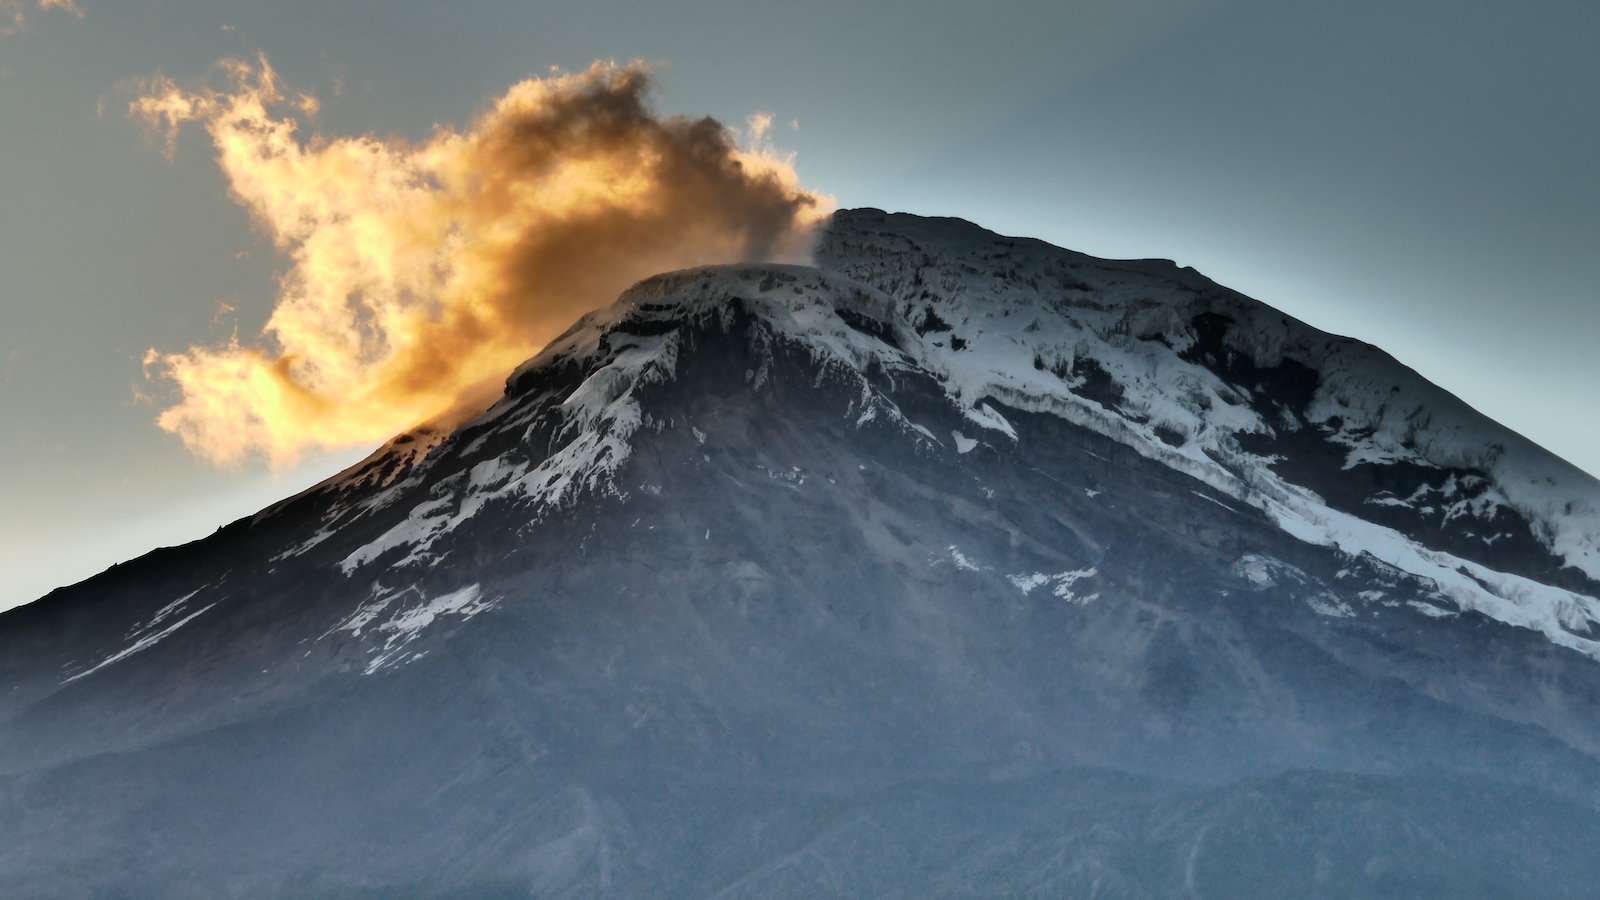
<point>1421,175</point>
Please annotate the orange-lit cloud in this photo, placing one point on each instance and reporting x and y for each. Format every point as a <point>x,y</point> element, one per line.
<point>758,125</point>
<point>419,271</point>
<point>14,13</point>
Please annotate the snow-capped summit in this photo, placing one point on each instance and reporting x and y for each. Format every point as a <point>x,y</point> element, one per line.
<point>1197,360</point>
<point>1336,440</point>
<point>953,564</point>
<point>1332,439</point>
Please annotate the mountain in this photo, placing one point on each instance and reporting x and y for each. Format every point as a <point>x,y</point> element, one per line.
<point>955,565</point>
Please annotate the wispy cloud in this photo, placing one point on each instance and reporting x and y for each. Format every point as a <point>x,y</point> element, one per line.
<point>14,13</point>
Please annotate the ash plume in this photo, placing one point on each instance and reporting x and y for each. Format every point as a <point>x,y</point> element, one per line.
<point>418,271</point>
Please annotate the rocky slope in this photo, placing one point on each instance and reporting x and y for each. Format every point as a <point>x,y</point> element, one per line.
<point>955,565</point>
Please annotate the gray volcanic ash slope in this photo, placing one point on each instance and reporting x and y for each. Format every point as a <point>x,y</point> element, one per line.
<point>958,565</point>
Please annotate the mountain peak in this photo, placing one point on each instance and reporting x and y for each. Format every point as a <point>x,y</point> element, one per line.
<point>1329,438</point>
<point>947,515</point>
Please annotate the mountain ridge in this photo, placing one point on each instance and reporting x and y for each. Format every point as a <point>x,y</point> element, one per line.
<point>1269,352</point>
<point>1216,430</point>
<point>758,583</point>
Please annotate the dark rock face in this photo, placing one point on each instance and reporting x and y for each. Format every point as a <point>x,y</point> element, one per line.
<point>700,609</point>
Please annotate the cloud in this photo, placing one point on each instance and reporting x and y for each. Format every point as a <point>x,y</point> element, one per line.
<point>14,13</point>
<point>419,271</point>
<point>758,124</point>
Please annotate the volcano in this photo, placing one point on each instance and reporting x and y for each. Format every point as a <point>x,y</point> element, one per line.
<point>953,565</point>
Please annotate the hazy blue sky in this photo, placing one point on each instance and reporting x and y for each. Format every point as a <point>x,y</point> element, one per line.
<point>1420,175</point>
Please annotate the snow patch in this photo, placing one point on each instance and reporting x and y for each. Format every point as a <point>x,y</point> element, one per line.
<point>1331,606</point>
<point>147,636</point>
<point>1260,571</point>
<point>1061,584</point>
<point>1565,617</point>
<point>960,559</point>
<point>399,617</point>
<point>1207,497</point>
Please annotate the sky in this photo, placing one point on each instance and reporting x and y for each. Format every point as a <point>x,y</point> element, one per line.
<point>1420,175</point>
